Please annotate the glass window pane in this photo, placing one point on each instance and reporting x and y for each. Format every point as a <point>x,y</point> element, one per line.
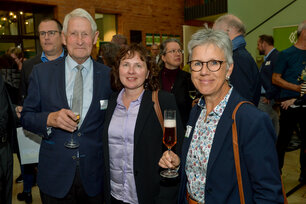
<point>28,23</point>
<point>29,48</point>
<point>106,24</point>
<point>13,28</point>
<point>5,46</point>
<point>9,23</point>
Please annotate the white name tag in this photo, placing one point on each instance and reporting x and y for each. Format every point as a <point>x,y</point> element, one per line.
<point>268,63</point>
<point>188,130</point>
<point>103,104</point>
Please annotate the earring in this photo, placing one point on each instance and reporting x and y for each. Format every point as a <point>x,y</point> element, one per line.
<point>146,84</point>
<point>227,78</point>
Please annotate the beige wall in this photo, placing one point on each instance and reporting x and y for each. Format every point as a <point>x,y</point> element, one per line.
<point>187,33</point>
<point>109,27</point>
<point>254,12</point>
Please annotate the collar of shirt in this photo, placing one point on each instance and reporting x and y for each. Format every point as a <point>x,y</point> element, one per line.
<point>72,65</point>
<point>218,110</point>
<point>136,102</point>
<point>265,57</point>
<point>238,41</point>
<point>45,59</point>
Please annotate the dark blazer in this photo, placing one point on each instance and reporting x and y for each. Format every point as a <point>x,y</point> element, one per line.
<point>258,158</point>
<point>57,164</point>
<point>8,116</point>
<point>181,87</point>
<point>148,149</point>
<point>245,76</point>
<point>266,71</point>
<point>26,70</point>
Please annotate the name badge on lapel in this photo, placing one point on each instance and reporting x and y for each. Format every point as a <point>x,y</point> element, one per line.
<point>268,63</point>
<point>103,104</point>
<point>188,130</point>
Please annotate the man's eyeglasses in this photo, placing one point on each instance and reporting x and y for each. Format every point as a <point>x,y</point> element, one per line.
<point>212,65</point>
<point>50,33</point>
<point>175,51</point>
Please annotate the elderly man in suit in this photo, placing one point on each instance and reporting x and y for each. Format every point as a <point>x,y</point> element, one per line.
<point>70,174</point>
<point>245,77</point>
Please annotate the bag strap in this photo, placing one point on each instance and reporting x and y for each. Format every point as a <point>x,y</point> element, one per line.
<point>237,159</point>
<point>157,108</point>
<point>236,152</point>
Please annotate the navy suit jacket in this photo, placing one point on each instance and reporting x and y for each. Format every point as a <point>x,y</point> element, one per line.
<point>258,158</point>
<point>266,71</point>
<point>26,70</point>
<point>8,116</point>
<point>245,76</point>
<point>57,164</point>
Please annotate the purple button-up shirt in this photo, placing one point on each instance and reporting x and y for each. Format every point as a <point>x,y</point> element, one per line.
<point>121,150</point>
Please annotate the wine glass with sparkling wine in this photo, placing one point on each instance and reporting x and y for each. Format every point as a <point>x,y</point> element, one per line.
<point>72,143</point>
<point>169,139</point>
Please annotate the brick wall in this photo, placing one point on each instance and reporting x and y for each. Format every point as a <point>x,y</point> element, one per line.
<point>149,16</point>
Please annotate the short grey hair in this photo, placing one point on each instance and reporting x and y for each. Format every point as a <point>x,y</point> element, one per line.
<point>79,12</point>
<point>214,37</point>
<point>301,27</point>
<point>232,21</point>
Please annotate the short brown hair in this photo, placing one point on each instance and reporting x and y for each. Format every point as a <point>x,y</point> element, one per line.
<point>151,83</point>
<point>267,38</point>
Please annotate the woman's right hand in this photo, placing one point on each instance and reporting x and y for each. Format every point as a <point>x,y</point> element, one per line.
<point>169,160</point>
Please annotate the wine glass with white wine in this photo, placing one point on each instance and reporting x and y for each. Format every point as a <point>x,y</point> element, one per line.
<point>72,143</point>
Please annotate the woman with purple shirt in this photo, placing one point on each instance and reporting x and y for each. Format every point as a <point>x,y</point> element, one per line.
<point>132,136</point>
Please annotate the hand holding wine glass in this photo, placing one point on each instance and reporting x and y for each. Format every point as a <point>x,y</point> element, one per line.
<point>71,142</point>
<point>169,160</point>
<point>169,139</point>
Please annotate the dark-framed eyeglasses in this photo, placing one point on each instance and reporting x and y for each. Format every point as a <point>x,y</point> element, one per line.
<point>50,33</point>
<point>175,51</point>
<point>212,65</point>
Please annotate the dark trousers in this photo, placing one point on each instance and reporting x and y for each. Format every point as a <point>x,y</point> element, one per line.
<point>76,195</point>
<point>28,173</point>
<point>6,173</point>
<point>289,119</point>
<point>115,201</point>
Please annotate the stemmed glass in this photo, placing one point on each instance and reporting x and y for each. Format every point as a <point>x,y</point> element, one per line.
<point>169,139</point>
<point>72,143</point>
